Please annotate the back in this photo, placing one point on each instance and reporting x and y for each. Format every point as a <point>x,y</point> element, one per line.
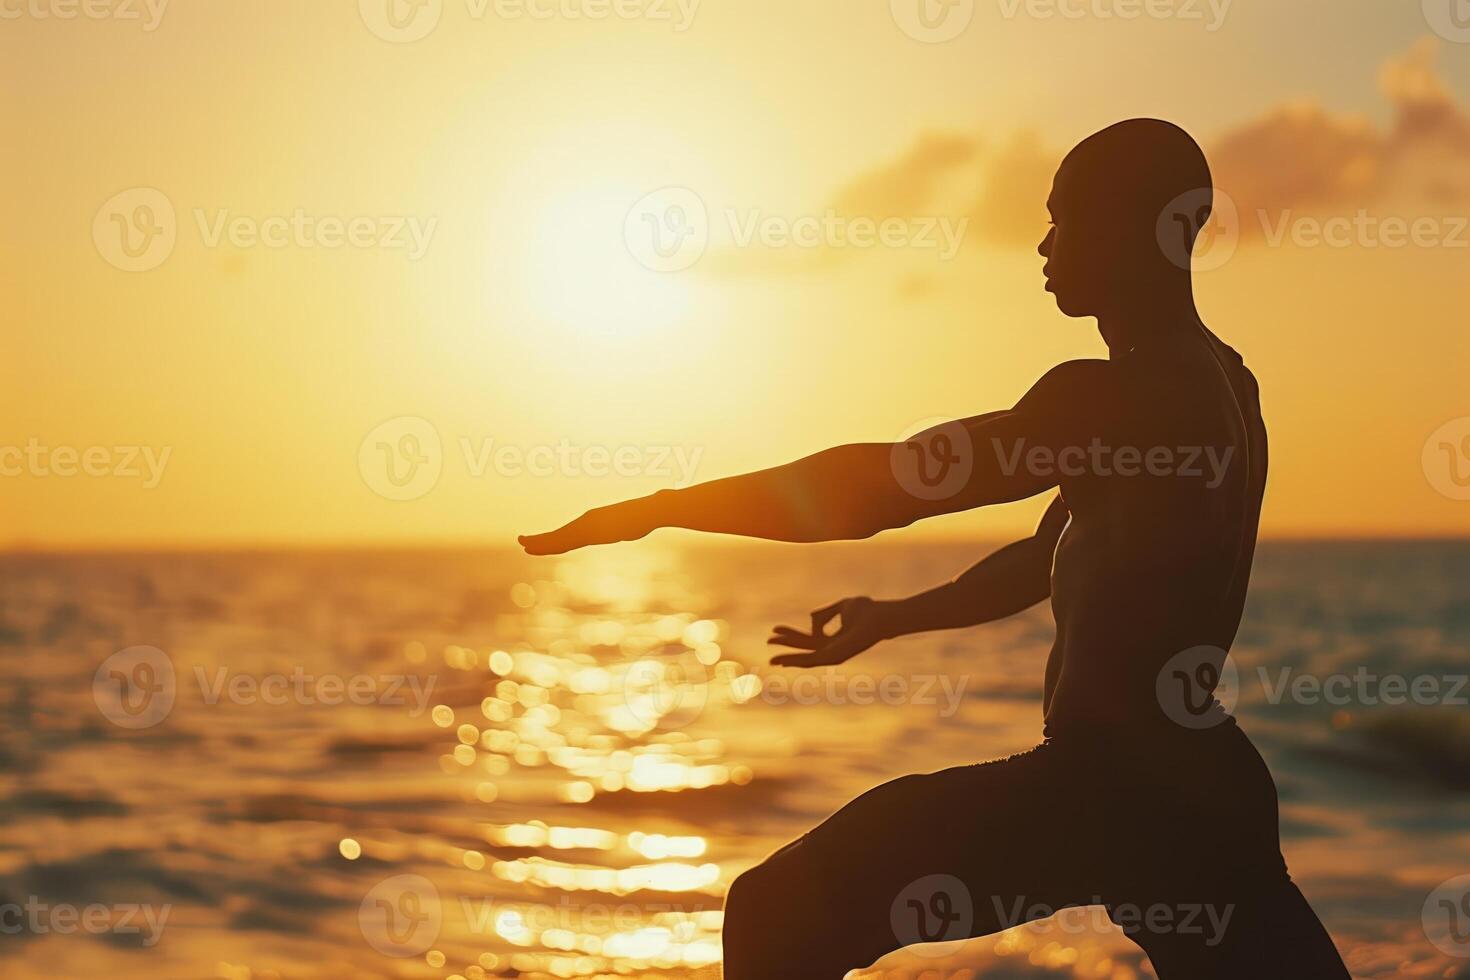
<point>1157,557</point>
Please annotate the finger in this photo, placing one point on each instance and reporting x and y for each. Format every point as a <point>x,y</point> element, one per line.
<point>818,659</point>
<point>569,537</point>
<point>796,641</point>
<point>550,543</point>
<point>829,654</point>
<point>789,633</point>
<point>839,650</point>
<point>823,616</point>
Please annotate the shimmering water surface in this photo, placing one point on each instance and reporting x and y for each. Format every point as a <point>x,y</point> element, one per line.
<point>473,764</point>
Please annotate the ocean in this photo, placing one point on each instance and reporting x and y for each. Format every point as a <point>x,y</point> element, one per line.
<point>468,764</point>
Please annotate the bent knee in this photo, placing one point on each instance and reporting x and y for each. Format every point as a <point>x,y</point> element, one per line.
<point>770,886</point>
<point>751,892</point>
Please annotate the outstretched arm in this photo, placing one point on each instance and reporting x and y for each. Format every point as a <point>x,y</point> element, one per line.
<point>1003,584</point>
<point>856,491</point>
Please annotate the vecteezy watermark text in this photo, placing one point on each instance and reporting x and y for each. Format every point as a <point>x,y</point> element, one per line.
<point>138,687</point>
<point>569,459</point>
<point>939,21</point>
<point>138,229</point>
<point>147,13</point>
<point>1364,688</point>
<point>408,21</point>
<point>36,459</point>
<point>485,916</point>
<point>402,916</point>
<point>1446,917</point>
<point>1446,459</point>
<point>834,688</point>
<point>1209,922</point>
<point>1210,13</point>
<point>299,687</point>
<point>1209,463</point>
<point>670,230</point>
<point>1202,229</point>
<point>1450,19</point>
<point>1199,687</point>
<point>936,459</point>
<point>38,918</point>
<point>403,459</point>
<point>300,229</point>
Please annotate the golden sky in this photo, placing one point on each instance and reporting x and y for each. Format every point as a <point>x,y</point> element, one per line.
<point>256,251</point>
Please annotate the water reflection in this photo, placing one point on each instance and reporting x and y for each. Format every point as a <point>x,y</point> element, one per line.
<point>593,759</point>
<point>608,701</point>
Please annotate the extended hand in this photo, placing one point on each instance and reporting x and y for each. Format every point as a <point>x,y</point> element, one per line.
<point>863,624</point>
<point>627,521</point>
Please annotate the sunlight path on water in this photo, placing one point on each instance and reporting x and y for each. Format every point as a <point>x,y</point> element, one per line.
<point>555,769</point>
<point>608,734</point>
<point>599,699</point>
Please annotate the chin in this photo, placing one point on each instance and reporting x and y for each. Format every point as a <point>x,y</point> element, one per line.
<point>1068,306</point>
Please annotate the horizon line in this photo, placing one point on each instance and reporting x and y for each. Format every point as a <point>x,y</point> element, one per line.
<point>287,546</point>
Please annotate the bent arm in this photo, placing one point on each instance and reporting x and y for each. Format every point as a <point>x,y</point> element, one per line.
<point>1005,583</point>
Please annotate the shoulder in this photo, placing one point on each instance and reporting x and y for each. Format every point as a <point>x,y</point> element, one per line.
<point>1078,401</point>
<point>1080,385</point>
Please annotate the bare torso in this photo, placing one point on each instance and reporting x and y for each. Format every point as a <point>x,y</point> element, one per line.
<point>1157,561</point>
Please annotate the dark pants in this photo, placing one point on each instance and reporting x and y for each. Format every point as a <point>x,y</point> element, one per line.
<point>1175,833</point>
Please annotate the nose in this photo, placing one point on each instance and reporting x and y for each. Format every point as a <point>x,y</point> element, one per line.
<point>1044,249</point>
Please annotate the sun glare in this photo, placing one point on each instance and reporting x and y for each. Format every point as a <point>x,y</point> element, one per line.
<point>583,275</point>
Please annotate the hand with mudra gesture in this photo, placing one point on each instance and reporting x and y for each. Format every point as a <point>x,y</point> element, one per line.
<point>862,623</point>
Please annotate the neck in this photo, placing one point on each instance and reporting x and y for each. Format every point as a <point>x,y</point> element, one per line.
<point>1163,309</point>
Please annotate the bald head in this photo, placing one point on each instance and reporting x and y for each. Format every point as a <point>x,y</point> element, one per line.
<point>1126,206</point>
<point>1140,166</point>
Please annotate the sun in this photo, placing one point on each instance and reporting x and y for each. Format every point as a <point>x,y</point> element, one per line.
<point>583,276</point>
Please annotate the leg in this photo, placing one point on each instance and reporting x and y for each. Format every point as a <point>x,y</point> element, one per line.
<point>1267,935</point>
<point>1201,845</point>
<point>923,858</point>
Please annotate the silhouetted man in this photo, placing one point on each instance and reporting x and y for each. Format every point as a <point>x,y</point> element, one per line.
<point>1150,803</point>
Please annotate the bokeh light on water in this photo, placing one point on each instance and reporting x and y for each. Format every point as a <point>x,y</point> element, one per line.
<point>568,762</point>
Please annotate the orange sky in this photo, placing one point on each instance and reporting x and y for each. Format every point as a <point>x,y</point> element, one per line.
<point>446,230</point>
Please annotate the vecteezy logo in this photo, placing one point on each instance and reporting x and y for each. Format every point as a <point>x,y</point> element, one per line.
<point>934,459</point>
<point>1450,19</point>
<point>668,230</point>
<point>1446,917</point>
<point>401,916</point>
<point>666,694</point>
<point>136,230</point>
<point>402,459</point>
<point>401,21</point>
<point>135,688</point>
<point>1447,459</point>
<point>933,21</point>
<point>1198,687</point>
<point>1200,229</point>
<point>935,909</point>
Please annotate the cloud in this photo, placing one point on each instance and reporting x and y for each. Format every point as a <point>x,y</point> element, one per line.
<point>905,187</point>
<point>1304,159</point>
<point>1297,157</point>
